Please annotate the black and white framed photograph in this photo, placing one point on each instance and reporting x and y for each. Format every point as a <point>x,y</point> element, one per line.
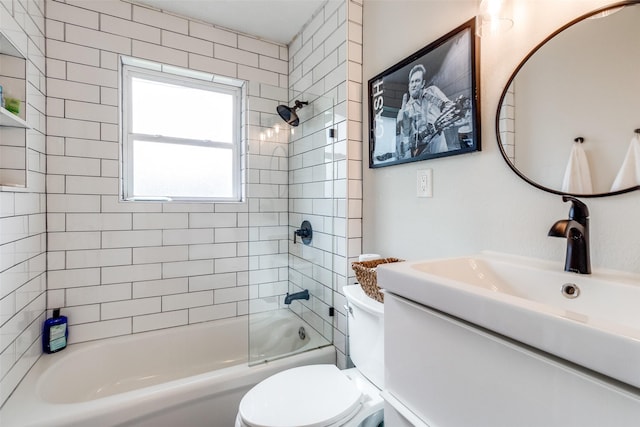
<point>427,106</point>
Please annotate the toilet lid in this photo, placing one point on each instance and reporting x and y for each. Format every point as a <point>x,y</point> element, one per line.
<point>308,396</point>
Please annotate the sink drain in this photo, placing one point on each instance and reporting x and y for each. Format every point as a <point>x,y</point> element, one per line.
<point>302,333</point>
<point>570,290</point>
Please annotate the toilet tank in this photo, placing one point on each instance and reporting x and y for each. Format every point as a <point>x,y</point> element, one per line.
<point>366,334</point>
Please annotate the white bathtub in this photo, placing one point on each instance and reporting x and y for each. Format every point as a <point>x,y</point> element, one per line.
<point>188,377</point>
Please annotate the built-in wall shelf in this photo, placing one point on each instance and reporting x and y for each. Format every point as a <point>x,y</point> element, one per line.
<point>13,134</point>
<point>9,119</point>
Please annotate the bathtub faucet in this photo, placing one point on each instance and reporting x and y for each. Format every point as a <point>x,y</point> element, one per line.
<point>298,295</point>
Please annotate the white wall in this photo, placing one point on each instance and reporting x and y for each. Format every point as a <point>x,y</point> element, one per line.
<point>478,203</point>
<point>22,211</point>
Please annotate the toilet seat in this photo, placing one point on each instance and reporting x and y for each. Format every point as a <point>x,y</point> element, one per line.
<point>308,396</point>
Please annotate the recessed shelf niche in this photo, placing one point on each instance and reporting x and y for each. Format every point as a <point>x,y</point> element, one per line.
<point>13,128</point>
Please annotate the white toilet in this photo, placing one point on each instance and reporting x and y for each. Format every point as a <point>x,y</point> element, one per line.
<point>323,395</point>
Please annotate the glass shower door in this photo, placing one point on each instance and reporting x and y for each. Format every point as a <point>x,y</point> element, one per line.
<point>289,179</point>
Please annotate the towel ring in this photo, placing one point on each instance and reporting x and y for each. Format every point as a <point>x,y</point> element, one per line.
<point>581,139</point>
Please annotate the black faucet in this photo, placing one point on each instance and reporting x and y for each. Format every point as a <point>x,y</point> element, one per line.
<point>298,295</point>
<point>576,230</point>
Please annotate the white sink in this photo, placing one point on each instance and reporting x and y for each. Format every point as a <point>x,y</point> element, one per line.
<point>522,298</point>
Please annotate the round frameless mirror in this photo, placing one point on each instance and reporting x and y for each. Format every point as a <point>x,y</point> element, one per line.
<point>569,113</point>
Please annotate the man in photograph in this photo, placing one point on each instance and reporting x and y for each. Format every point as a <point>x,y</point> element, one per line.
<point>425,113</point>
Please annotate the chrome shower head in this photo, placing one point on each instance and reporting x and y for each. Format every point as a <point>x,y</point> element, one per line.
<point>289,115</point>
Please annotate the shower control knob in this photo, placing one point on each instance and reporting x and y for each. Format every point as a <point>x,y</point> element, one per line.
<point>305,232</point>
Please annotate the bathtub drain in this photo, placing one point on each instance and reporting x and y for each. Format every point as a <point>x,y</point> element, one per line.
<point>302,333</point>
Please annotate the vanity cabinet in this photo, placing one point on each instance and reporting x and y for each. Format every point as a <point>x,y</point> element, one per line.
<point>444,372</point>
<point>13,128</point>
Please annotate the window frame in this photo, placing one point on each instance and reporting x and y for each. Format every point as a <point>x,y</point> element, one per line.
<point>132,68</point>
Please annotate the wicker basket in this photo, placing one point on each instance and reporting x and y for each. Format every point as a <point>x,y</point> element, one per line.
<point>366,275</point>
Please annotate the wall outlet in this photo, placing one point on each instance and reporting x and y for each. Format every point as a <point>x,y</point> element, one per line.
<point>425,183</point>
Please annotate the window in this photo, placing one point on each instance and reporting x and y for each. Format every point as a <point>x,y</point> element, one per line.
<point>180,134</point>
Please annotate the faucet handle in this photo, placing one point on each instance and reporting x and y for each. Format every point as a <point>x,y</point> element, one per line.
<point>579,211</point>
<point>305,232</point>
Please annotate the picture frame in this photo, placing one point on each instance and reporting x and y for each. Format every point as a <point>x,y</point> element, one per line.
<point>428,105</point>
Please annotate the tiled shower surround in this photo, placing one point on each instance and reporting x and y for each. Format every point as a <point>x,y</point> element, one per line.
<point>120,268</point>
<point>23,212</point>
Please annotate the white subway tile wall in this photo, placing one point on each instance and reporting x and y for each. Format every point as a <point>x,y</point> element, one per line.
<point>507,124</point>
<point>143,265</point>
<point>121,268</point>
<point>325,59</point>
<point>351,208</point>
<point>23,211</point>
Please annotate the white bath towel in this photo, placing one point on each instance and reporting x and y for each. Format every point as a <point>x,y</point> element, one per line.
<point>629,174</point>
<point>577,176</point>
